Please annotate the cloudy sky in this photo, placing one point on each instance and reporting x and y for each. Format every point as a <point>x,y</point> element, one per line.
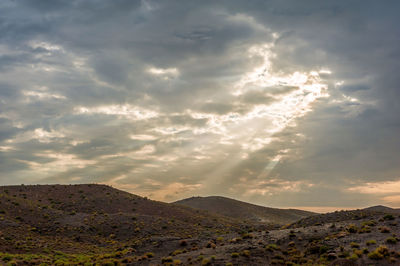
<point>279,103</point>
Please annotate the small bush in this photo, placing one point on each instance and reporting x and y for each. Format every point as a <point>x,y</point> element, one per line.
<point>149,254</point>
<point>374,255</point>
<point>384,229</point>
<point>353,257</point>
<point>235,255</point>
<point>391,240</point>
<point>352,228</point>
<point>272,247</point>
<point>176,252</point>
<point>246,253</point>
<point>205,262</point>
<point>354,245</point>
<point>247,236</point>
<point>6,257</point>
<point>371,242</point>
<point>369,223</point>
<point>167,259</point>
<point>388,217</point>
<point>379,253</point>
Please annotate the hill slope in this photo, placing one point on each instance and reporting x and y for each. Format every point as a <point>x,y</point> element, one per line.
<point>242,210</point>
<point>86,215</point>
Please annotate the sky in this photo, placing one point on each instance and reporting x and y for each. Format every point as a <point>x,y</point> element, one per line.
<point>278,103</point>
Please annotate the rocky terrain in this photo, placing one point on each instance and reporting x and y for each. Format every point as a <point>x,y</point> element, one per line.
<point>100,225</point>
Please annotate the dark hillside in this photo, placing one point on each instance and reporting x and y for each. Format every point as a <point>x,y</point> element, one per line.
<point>243,210</point>
<point>94,214</point>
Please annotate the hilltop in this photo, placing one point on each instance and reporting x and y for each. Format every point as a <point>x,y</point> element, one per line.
<point>244,211</point>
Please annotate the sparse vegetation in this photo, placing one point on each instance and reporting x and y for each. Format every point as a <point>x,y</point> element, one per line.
<point>62,221</point>
<point>391,240</point>
<point>235,255</point>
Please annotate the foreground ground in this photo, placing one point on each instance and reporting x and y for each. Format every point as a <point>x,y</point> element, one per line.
<point>92,224</point>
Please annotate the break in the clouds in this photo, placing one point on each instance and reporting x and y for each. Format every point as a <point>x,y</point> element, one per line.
<point>281,103</point>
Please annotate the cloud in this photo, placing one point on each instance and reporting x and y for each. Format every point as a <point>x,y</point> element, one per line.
<point>378,187</point>
<point>274,102</point>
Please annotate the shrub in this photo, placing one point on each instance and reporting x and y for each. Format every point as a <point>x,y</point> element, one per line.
<point>272,247</point>
<point>205,262</point>
<point>358,252</point>
<point>6,257</point>
<point>384,229</point>
<point>353,257</point>
<point>352,228</point>
<point>176,252</point>
<point>247,236</point>
<point>210,245</point>
<point>354,245</point>
<point>149,254</point>
<point>379,253</point>
<point>391,240</point>
<point>365,229</point>
<point>388,217</point>
<point>374,255</point>
<point>371,242</point>
<point>235,255</point>
<point>167,259</point>
<point>246,253</point>
<point>323,249</point>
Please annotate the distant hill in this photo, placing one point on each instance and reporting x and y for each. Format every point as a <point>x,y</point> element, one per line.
<point>384,209</point>
<point>341,216</point>
<point>243,210</point>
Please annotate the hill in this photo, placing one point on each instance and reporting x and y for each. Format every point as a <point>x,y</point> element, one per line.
<point>341,216</point>
<point>245,211</point>
<point>100,225</point>
<point>383,209</point>
<point>85,215</point>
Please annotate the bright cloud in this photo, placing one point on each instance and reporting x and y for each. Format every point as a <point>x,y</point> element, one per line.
<point>126,111</point>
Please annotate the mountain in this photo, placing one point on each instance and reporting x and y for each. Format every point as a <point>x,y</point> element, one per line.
<point>242,210</point>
